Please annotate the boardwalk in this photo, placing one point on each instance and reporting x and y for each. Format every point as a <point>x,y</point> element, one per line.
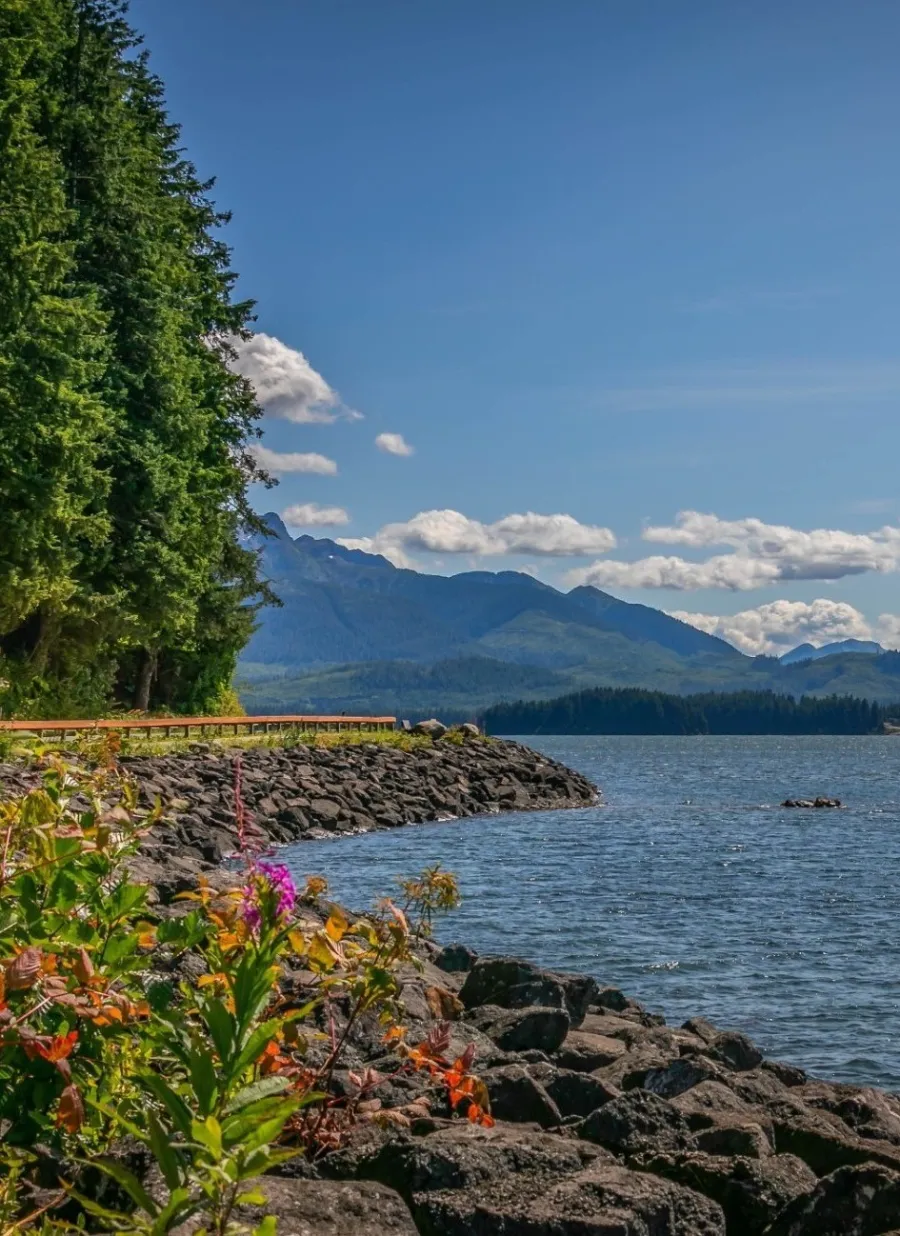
<point>166,726</point>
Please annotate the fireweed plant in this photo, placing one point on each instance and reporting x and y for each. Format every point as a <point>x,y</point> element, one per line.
<point>100,1041</point>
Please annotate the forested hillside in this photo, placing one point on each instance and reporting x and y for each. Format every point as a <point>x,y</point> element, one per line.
<point>610,711</point>
<point>123,434</point>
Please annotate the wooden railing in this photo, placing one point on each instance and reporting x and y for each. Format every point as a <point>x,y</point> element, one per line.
<point>206,725</point>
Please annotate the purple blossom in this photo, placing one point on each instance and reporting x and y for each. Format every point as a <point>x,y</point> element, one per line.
<point>268,878</point>
<point>281,883</point>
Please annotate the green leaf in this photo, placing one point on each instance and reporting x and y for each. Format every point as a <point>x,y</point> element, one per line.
<point>203,1079</point>
<point>261,1089</point>
<point>129,1183</point>
<point>221,1027</point>
<point>268,1227</point>
<point>163,1152</point>
<point>208,1133</point>
<point>173,1103</point>
<point>253,1048</point>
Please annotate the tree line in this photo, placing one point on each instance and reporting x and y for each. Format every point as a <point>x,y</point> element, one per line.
<point>125,570</point>
<point>613,710</point>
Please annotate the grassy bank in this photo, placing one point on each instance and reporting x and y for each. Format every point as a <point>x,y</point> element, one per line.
<point>95,748</point>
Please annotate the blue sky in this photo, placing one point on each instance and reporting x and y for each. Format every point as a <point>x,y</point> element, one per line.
<point>608,261</point>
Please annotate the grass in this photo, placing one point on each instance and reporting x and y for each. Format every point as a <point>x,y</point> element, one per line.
<point>95,748</point>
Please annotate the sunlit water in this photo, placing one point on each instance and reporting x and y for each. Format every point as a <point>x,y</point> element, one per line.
<point>690,888</point>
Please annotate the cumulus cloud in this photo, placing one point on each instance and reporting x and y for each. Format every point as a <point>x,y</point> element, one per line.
<point>311,515</point>
<point>286,384</point>
<point>394,444</point>
<point>887,631</point>
<point>778,626</point>
<point>281,462</point>
<point>450,532</point>
<point>761,554</point>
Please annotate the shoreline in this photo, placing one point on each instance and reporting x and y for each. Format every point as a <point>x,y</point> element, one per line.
<point>608,1121</point>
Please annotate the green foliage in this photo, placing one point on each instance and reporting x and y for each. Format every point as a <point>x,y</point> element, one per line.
<point>96,1041</point>
<point>124,434</point>
<point>608,711</point>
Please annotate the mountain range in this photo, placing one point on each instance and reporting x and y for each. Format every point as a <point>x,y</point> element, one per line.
<point>355,633</point>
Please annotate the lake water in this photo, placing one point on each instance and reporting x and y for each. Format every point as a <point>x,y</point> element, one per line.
<point>690,888</point>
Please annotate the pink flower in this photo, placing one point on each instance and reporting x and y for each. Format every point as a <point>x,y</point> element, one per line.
<point>268,880</point>
<point>280,882</point>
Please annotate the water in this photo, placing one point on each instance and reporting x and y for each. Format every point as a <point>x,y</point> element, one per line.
<point>690,888</point>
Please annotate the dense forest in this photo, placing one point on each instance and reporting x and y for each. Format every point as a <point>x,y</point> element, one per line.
<point>125,576</point>
<point>607,710</point>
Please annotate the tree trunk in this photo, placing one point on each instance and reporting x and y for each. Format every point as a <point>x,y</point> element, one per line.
<point>145,681</point>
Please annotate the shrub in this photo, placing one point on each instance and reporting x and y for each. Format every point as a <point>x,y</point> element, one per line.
<point>98,1041</point>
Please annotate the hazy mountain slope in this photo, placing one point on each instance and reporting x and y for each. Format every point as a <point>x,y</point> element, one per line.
<point>809,652</point>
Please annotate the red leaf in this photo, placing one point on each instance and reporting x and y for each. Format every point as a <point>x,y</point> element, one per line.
<point>70,1113</point>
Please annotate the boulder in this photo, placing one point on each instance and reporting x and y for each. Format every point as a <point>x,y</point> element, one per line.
<point>853,1201</point>
<point>455,958</point>
<point>752,1192</point>
<point>736,1051</point>
<point>637,1123</point>
<point>516,1096</point>
<point>512,983</point>
<point>680,1075</point>
<point>430,729</point>
<point>584,1051</point>
<point>541,1029</point>
<point>469,730</point>
<point>601,1199</point>
<point>324,1208</point>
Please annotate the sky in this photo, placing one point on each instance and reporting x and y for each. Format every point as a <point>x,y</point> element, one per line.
<point>604,292</point>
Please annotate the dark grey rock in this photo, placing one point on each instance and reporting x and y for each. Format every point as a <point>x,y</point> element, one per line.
<point>635,1123</point>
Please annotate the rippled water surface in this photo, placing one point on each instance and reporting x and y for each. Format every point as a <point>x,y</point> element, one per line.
<point>690,888</point>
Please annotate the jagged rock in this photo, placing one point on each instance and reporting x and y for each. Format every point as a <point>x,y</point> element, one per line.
<point>455,958</point>
<point>681,1075</point>
<point>853,1201</point>
<point>512,983</point>
<point>575,1094</point>
<point>736,1051</point>
<point>516,1096</point>
<point>542,1029</point>
<point>324,1208</point>
<point>603,1200</point>
<point>584,1051</point>
<point>637,1123</point>
<point>751,1191</point>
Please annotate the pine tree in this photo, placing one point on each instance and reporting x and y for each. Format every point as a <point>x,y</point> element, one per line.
<point>53,426</point>
<point>158,587</point>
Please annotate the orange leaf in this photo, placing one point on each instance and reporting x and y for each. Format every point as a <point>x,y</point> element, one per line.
<point>70,1113</point>
<point>25,970</point>
<point>394,1034</point>
<point>59,1048</point>
<point>83,968</point>
<point>147,939</point>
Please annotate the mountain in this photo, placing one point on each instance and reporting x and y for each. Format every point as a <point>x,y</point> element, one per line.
<point>341,605</point>
<point>357,634</point>
<point>809,652</point>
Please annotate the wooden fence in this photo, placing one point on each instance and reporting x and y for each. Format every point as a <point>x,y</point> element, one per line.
<point>166,726</point>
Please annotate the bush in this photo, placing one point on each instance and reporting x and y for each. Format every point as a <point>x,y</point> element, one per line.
<point>99,1041</point>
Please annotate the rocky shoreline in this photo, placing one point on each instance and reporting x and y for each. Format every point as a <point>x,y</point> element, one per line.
<point>305,793</point>
<point>609,1122</point>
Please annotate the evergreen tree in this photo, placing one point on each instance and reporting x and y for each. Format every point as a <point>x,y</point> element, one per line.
<point>152,584</point>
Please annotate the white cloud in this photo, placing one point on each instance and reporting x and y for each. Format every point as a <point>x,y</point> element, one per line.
<point>281,462</point>
<point>450,532</point>
<point>371,545</point>
<point>311,515</point>
<point>781,625</point>
<point>887,631</point>
<point>762,554</point>
<point>394,444</point>
<point>729,571</point>
<point>286,384</point>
